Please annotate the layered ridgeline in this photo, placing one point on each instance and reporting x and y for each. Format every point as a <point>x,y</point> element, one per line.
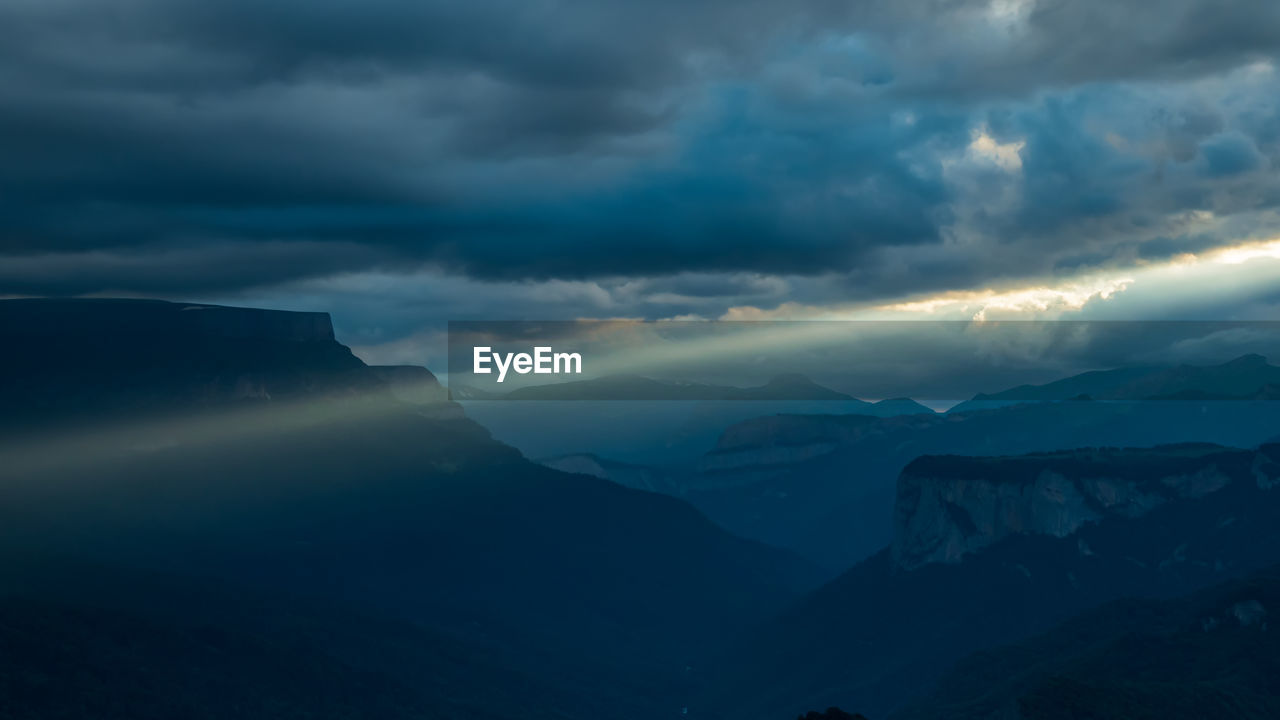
<point>217,512</point>
<point>824,484</point>
<point>992,550</point>
<point>1248,377</point>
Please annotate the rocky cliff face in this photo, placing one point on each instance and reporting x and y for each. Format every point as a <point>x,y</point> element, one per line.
<point>826,485</point>
<point>951,506</point>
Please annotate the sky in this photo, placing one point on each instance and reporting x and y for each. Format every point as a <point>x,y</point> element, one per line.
<point>401,163</point>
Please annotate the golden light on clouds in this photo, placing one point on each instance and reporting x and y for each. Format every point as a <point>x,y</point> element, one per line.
<point>1006,156</point>
<point>1244,253</point>
<point>1188,274</point>
<point>1072,295</point>
<point>1027,300</point>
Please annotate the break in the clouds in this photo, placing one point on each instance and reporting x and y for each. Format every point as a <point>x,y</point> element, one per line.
<point>656,159</point>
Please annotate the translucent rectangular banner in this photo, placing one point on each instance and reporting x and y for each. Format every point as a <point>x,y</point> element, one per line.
<point>939,364</point>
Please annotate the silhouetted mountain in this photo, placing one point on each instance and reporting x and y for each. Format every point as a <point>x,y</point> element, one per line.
<point>892,407</point>
<point>1248,377</point>
<point>326,489</point>
<point>1213,654</point>
<point>881,633</point>
<point>267,514</point>
<point>92,359</point>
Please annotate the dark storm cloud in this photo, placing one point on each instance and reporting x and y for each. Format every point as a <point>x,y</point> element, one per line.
<point>1005,47</point>
<point>182,271</point>
<point>174,146</point>
<point>1230,154</point>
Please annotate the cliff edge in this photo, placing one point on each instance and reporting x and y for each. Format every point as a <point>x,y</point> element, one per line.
<point>949,506</point>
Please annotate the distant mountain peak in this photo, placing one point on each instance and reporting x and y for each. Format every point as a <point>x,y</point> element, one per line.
<point>1251,360</point>
<point>904,406</point>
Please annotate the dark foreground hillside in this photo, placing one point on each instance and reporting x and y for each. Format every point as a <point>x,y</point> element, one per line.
<point>1214,654</point>
<point>84,641</point>
<point>273,532</point>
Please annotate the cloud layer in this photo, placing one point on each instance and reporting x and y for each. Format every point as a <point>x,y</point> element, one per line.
<point>678,157</point>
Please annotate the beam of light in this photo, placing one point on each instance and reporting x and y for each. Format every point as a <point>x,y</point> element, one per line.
<point>981,304</point>
<point>670,346</point>
<point>1187,275</point>
<point>84,448</point>
<point>1239,254</point>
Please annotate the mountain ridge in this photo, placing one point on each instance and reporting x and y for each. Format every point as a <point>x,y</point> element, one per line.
<point>1248,376</point>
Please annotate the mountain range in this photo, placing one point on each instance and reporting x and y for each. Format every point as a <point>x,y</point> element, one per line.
<point>221,513</point>
<point>823,483</point>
